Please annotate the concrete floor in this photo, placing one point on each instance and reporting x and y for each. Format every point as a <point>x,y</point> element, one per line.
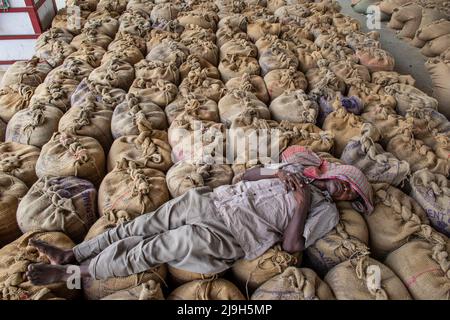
<point>408,59</point>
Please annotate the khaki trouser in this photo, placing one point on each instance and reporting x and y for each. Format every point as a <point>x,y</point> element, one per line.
<point>185,233</point>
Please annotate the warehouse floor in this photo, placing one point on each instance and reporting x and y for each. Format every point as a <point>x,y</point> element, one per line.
<point>408,59</point>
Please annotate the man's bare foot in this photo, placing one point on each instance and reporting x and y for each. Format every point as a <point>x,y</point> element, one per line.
<point>54,254</point>
<point>42,274</point>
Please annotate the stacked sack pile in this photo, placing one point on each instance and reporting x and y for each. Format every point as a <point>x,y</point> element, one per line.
<point>102,126</point>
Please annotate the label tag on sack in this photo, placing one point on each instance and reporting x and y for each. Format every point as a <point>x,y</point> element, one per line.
<point>373,279</point>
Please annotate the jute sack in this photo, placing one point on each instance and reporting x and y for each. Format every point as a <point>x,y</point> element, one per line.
<point>347,240</point>
<point>150,290</point>
<point>305,134</point>
<point>52,35</point>
<point>12,190</point>
<point>14,261</point>
<point>72,68</point>
<point>429,17</point>
<point>91,119</point>
<point>295,34</point>
<point>133,189</point>
<point>158,91</point>
<point>235,66</point>
<point>432,192</point>
<point>427,123</point>
<point>239,101</point>
<point>294,106</point>
<point>206,49</point>
<point>372,95</point>
<point>130,54</point>
<point>197,106</point>
<point>330,101</point>
<point>294,284</point>
<point>250,274</point>
<point>179,277</point>
<point>57,93</point>
<point>408,96</point>
<point>436,46</point>
<point>2,130</point>
<point>281,80</point>
<point>103,24</point>
<point>156,37</point>
<point>196,62</point>
<point>128,113</point>
<point>54,52</point>
<point>169,51</point>
<point>378,165</point>
<point>227,33</point>
<point>192,31</point>
<point>134,24</point>
<point>388,6</point>
<point>259,28</point>
<point>109,220</point>
<point>14,98</point>
<point>359,39</point>
<point>70,155</point>
<point>201,18</point>
<point>240,47</point>
<point>122,39</point>
<point>387,78</point>
<point>66,204</point>
<point>277,57</point>
<point>250,83</point>
<point>115,6</point>
<point>164,11</point>
<point>90,53</point>
<point>439,70</point>
<point>140,5</point>
<point>322,77</point>
<point>344,126</point>
<point>348,69</point>
<point>197,82</point>
<point>423,266</point>
<point>185,175</point>
<point>375,59</point>
<point>34,125</point>
<point>236,20</point>
<point>361,6</point>
<point>386,121</point>
<point>115,73</point>
<point>73,22</point>
<point>433,30</point>
<point>158,70</point>
<point>148,149</point>
<point>364,278</point>
<point>218,289</point>
<point>308,55</point>
<point>31,73</point>
<point>88,91</point>
<point>407,17</point>
<point>19,160</point>
<point>91,36</point>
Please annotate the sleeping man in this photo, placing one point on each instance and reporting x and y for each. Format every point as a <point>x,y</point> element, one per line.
<point>206,230</point>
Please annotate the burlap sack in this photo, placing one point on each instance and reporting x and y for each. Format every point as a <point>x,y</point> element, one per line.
<point>90,53</point>
<point>348,69</point>
<point>388,6</point>
<point>359,39</point>
<point>140,5</point>
<point>169,51</point>
<point>347,240</point>
<point>88,91</point>
<point>281,80</point>
<point>277,57</point>
<point>251,274</point>
<point>148,149</point>
<point>157,70</point>
<point>93,37</point>
<point>344,126</point>
<point>305,134</point>
<point>130,54</point>
<point>433,30</point>
<point>150,290</point>
<point>432,192</point>
<point>52,35</point>
<point>134,24</point>
<point>235,66</point>
<point>407,18</point>
<point>294,284</point>
<point>31,73</point>
<point>233,20</point>
<point>34,125</point>
<point>323,78</point>
<point>2,130</point>
<point>361,6</point>
<point>423,266</point>
<point>179,277</point>
<point>206,49</point>
<point>439,70</point>
<point>70,155</point>
<point>294,106</point>
<point>72,68</point>
<point>72,21</point>
<point>259,28</point>
<point>156,36</point>
<point>115,6</point>
<point>219,289</point>
<point>264,43</point>
<point>14,261</point>
<point>386,121</point>
<point>57,93</point>
<point>372,95</point>
<point>308,55</point>
<point>196,62</point>
<point>294,13</point>
<point>429,17</point>
<point>197,82</point>
<point>250,83</point>
<point>364,278</point>
<point>163,11</point>
<point>66,204</point>
<point>375,59</point>
<point>158,91</point>
<point>427,123</point>
<point>185,175</point>
<point>237,102</point>
<point>91,119</point>
<point>19,160</point>
<point>204,19</point>
<point>54,52</point>
<point>122,39</point>
<point>240,47</point>
<point>197,106</point>
<point>12,190</point>
<point>378,165</point>
<point>115,73</point>
<point>133,189</point>
<point>192,31</point>
<point>105,24</point>
<point>14,98</point>
<point>408,96</point>
<point>436,46</point>
<point>227,33</point>
<point>387,78</point>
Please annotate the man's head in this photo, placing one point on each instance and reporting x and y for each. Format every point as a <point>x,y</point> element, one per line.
<point>338,189</point>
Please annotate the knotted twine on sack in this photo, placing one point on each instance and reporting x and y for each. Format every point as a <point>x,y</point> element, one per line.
<point>294,106</point>
<point>125,53</point>
<point>375,59</point>
<point>408,96</point>
<point>185,175</point>
<point>196,62</point>
<point>192,31</point>
<point>201,18</point>
<point>250,83</point>
<point>364,278</point>
<point>371,94</point>
<point>133,189</point>
<point>158,91</point>
<point>11,192</point>
<point>257,29</point>
<point>150,290</point>
<point>277,57</point>
<point>179,277</point>
<point>294,284</point>
<point>387,78</point>
<point>19,160</point>
<point>349,239</point>
<point>206,49</point>
<point>54,52</point>
<point>322,77</point>
<point>88,91</point>
<point>140,5</point>
<point>57,93</point>
<point>197,82</point>
<point>157,70</point>
<point>385,120</point>
<point>34,125</point>
<point>234,66</point>
<point>239,47</point>
<point>13,98</point>
<point>52,35</point>
<point>31,73</point>
<point>432,192</point>
<point>367,155</point>
<point>195,105</point>
<point>228,32</point>
<point>15,259</point>
<point>91,37</point>
<point>70,155</point>
<point>103,24</point>
<point>123,39</point>
<point>281,80</point>
<point>115,73</point>
<point>347,69</point>
<point>218,289</point>
<point>90,53</point>
<point>169,51</point>
<point>72,68</point>
<point>427,123</point>
<point>66,204</point>
<point>424,268</point>
<point>131,111</point>
<point>436,46</point>
<point>148,149</point>
<point>164,11</point>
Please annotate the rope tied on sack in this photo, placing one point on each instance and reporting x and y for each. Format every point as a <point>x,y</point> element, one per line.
<point>117,217</point>
<point>350,247</point>
<point>246,83</point>
<point>80,154</point>
<point>140,184</point>
<point>37,118</point>
<point>144,140</point>
<point>362,269</point>
<point>10,162</point>
<point>288,79</point>
<point>300,283</point>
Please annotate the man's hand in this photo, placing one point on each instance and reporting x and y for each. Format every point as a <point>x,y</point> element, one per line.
<point>303,196</point>
<point>291,181</point>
